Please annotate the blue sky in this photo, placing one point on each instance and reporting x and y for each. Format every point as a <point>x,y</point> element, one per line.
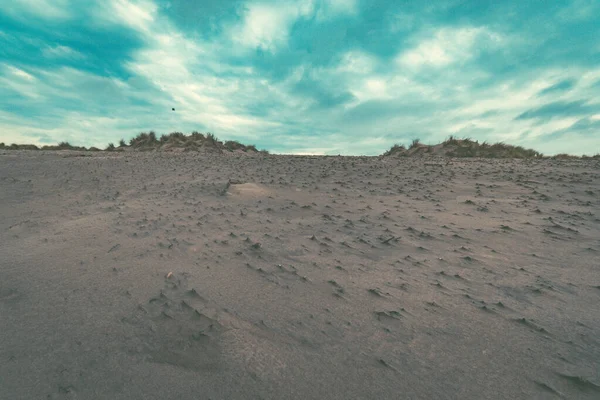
<point>303,76</point>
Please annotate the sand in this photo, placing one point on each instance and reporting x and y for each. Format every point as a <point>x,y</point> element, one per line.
<point>194,276</point>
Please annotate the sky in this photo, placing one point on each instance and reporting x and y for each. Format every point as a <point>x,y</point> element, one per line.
<point>350,77</point>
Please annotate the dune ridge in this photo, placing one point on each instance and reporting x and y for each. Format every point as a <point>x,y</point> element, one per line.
<point>452,147</point>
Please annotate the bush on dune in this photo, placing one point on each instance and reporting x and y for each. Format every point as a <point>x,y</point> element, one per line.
<point>232,145</point>
<point>415,143</point>
<point>212,139</point>
<point>66,146</point>
<point>565,156</point>
<point>148,141</point>
<point>464,148</point>
<point>177,136</point>
<point>451,141</point>
<point>15,146</point>
<point>63,146</point>
<point>197,136</point>
<point>143,140</point>
<point>28,147</point>
<point>195,141</point>
<point>396,148</point>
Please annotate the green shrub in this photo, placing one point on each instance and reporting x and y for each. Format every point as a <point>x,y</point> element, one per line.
<point>232,145</point>
<point>197,136</point>
<point>177,136</point>
<point>450,141</point>
<point>468,147</point>
<point>565,156</point>
<point>212,139</point>
<point>395,149</point>
<point>28,147</point>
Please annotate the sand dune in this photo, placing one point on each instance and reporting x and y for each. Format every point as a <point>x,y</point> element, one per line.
<point>209,276</point>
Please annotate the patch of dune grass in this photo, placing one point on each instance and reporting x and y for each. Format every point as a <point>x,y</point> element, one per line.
<point>144,140</point>
<point>468,148</point>
<point>193,142</point>
<point>396,148</point>
<point>450,141</point>
<point>565,156</point>
<point>15,146</point>
<point>63,146</point>
<point>414,143</point>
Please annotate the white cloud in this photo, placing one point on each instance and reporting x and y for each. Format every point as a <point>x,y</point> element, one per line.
<point>136,14</point>
<point>342,6</point>
<point>357,62</point>
<point>19,73</point>
<point>20,82</point>
<point>590,78</point>
<point>446,46</point>
<point>77,129</point>
<point>46,9</point>
<point>59,51</point>
<point>371,88</point>
<point>175,66</point>
<point>329,9</point>
<point>358,73</point>
<point>578,10</point>
<point>306,152</point>
<point>267,25</point>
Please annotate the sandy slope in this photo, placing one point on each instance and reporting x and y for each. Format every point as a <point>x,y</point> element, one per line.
<point>297,277</point>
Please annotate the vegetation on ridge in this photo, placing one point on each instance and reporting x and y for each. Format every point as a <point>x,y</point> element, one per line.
<point>148,141</point>
<point>468,148</point>
<point>196,141</point>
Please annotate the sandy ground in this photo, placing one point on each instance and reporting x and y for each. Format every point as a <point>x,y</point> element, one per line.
<point>189,276</point>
